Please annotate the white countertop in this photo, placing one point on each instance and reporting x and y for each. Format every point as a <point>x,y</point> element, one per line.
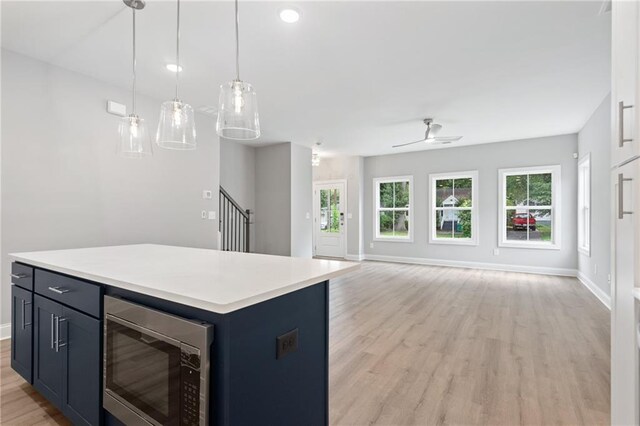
<point>216,281</point>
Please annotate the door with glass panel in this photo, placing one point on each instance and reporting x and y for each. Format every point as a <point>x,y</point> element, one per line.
<point>329,219</point>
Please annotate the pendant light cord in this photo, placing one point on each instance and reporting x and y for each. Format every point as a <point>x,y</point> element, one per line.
<point>134,61</point>
<point>237,44</point>
<point>178,49</point>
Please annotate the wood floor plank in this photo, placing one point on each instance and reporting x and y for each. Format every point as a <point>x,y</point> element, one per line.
<point>422,345</point>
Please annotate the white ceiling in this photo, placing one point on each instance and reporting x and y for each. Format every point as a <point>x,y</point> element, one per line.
<point>359,76</point>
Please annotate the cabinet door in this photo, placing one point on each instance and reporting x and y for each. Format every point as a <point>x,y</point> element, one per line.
<point>22,332</point>
<point>47,362</point>
<point>624,354</point>
<point>624,18</point>
<point>81,345</point>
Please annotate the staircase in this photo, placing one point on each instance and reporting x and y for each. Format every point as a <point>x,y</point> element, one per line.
<point>234,224</point>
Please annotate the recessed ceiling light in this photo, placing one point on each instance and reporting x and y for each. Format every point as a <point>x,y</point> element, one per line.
<point>289,15</point>
<point>174,68</point>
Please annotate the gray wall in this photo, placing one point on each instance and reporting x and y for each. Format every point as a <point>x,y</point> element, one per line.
<point>595,138</point>
<point>63,185</point>
<point>350,169</point>
<point>301,202</point>
<point>273,199</point>
<point>487,159</point>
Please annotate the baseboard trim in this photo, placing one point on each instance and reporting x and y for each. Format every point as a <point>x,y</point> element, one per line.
<point>593,288</point>
<point>474,265</point>
<point>5,331</point>
<point>355,257</point>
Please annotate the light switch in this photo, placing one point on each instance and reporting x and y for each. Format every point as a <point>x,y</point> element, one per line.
<point>349,216</point>
<point>212,215</point>
<point>308,215</point>
<point>207,194</point>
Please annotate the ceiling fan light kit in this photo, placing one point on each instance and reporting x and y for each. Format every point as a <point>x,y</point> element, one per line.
<point>430,135</point>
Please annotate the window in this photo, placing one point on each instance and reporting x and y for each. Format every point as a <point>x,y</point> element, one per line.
<point>530,207</point>
<point>584,204</point>
<point>330,211</point>
<point>393,201</point>
<point>454,203</point>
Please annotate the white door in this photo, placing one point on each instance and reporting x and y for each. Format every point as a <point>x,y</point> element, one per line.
<point>329,221</point>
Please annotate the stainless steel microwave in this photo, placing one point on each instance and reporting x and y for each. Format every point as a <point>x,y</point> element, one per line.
<point>156,366</point>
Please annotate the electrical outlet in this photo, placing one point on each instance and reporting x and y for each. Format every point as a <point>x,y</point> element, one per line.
<point>203,214</point>
<point>308,215</point>
<point>370,245</point>
<point>496,252</point>
<point>349,215</point>
<point>207,194</point>
<point>595,269</point>
<point>287,343</point>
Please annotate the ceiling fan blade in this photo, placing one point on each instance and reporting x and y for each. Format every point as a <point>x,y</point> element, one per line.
<point>409,143</point>
<point>447,138</point>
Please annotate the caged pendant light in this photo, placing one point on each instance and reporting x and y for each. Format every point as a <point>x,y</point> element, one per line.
<point>134,138</point>
<point>176,128</point>
<point>238,105</point>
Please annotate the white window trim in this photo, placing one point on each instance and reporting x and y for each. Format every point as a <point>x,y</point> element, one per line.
<point>556,217</point>
<point>475,212</point>
<point>585,162</point>
<point>376,209</point>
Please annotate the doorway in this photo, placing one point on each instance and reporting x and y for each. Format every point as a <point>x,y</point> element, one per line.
<point>329,226</point>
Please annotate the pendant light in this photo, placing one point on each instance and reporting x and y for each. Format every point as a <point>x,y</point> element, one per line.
<point>176,128</point>
<point>238,104</point>
<point>315,155</point>
<point>134,138</point>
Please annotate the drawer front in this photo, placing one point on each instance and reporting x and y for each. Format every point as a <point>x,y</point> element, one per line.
<point>22,276</point>
<point>72,292</point>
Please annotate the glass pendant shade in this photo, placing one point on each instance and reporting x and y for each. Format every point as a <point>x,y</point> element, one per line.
<point>238,111</point>
<point>134,138</point>
<point>176,129</point>
<point>315,159</point>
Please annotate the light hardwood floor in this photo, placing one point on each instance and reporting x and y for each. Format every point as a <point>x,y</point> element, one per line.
<point>427,345</point>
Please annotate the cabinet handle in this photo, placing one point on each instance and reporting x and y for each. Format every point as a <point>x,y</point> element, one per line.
<point>59,290</point>
<point>621,138</point>
<point>58,345</point>
<point>24,323</point>
<point>52,330</point>
<point>19,276</point>
<point>621,181</point>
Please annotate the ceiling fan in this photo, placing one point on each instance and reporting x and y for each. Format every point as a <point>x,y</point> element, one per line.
<point>430,135</point>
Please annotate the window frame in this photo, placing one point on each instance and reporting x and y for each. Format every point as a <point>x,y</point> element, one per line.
<point>377,209</point>
<point>556,217</point>
<point>584,198</point>
<point>475,211</point>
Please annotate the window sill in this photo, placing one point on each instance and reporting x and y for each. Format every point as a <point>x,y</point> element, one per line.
<point>454,242</point>
<point>535,246</point>
<point>392,240</point>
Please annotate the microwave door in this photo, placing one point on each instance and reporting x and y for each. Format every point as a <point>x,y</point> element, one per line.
<point>143,371</point>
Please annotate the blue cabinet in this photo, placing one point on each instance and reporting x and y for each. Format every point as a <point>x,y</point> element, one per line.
<point>22,332</point>
<point>67,360</point>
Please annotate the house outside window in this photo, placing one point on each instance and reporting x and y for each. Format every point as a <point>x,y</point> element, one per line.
<point>393,206</point>
<point>454,213</point>
<point>530,207</point>
<point>584,205</point>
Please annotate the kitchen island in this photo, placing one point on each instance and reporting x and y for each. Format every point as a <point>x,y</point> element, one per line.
<point>268,361</point>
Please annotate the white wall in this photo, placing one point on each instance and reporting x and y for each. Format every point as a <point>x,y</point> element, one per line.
<point>301,202</point>
<point>273,199</point>
<point>63,185</point>
<point>595,139</point>
<point>350,169</point>
<point>487,159</point>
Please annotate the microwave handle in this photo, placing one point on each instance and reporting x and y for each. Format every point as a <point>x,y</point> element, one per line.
<point>143,330</point>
